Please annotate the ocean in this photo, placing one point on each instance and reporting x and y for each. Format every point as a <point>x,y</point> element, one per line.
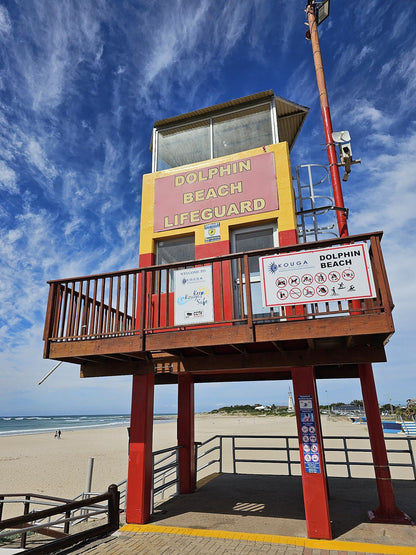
<point>22,425</point>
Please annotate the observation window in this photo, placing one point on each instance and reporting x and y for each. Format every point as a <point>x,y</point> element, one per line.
<point>215,136</point>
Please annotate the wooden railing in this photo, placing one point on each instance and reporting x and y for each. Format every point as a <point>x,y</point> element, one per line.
<point>35,521</point>
<point>140,301</point>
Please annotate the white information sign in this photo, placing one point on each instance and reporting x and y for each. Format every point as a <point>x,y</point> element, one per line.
<point>331,274</point>
<point>212,232</point>
<point>194,302</point>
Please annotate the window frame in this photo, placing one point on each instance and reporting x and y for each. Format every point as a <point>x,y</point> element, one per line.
<point>211,119</point>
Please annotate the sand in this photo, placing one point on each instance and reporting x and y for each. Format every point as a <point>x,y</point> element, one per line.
<point>39,463</point>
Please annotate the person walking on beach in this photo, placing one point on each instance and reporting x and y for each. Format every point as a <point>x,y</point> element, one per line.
<point>59,434</point>
<point>56,434</point>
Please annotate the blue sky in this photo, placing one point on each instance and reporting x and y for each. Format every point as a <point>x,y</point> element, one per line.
<point>81,83</point>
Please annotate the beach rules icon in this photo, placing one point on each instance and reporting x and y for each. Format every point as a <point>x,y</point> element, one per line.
<point>336,273</point>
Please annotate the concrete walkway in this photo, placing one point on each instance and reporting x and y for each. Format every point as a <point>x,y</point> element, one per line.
<point>264,514</point>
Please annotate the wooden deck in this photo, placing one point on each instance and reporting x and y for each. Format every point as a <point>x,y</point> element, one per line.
<point>122,323</point>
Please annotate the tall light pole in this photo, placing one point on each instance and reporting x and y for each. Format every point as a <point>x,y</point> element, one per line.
<point>387,511</point>
<point>312,35</point>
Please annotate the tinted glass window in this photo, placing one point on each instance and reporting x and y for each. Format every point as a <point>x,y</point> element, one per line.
<point>183,145</point>
<point>242,131</point>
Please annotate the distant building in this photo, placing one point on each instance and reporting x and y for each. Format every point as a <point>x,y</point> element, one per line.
<point>290,405</point>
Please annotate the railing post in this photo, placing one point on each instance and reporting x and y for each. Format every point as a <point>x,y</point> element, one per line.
<point>221,452</point>
<point>152,492</point>
<point>1,506</point>
<point>25,512</point>
<point>412,458</point>
<point>248,296</point>
<point>234,463</point>
<point>289,465</point>
<point>114,507</point>
<point>67,522</point>
<point>347,460</point>
<point>50,317</point>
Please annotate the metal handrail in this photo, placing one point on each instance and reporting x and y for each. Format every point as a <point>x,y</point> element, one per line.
<point>346,449</point>
<point>21,524</point>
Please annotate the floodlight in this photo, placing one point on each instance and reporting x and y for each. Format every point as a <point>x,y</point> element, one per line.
<point>322,11</point>
<point>341,136</point>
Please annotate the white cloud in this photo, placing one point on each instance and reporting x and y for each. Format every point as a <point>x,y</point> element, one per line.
<point>7,178</point>
<point>5,23</point>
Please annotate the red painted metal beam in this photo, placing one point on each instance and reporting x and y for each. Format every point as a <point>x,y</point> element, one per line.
<point>387,510</point>
<point>186,427</point>
<point>314,481</point>
<point>139,483</point>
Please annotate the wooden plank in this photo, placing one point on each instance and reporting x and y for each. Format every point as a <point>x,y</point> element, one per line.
<point>361,324</point>
<point>287,359</point>
<point>116,368</point>
<point>109,345</point>
<point>222,335</point>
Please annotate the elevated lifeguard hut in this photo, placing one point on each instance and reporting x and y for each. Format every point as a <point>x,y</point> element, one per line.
<point>225,292</point>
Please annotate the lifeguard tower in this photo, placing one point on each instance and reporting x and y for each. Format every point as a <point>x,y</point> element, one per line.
<point>225,292</point>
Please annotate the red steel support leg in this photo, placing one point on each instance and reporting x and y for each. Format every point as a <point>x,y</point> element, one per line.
<point>186,419</point>
<point>314,482</point>
<point>387,511</point>
<point>140,473</point>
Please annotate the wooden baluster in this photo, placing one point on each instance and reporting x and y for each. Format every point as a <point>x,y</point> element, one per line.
<point>240,286</point>
<point>64,308</point>
<point>58,309</point>
<point>84,320</point>
<point>248,296</point>
<point>117,322</point>
<point>110,306</point>
<point>79,303</point>
<point>133,312</point>
<point>126,300</point>
<point>102,304</point>
<point>71,312</point>
<point>93,308</point>
<point>167,298</point>
<point>221,292</point>
<point>158,297</point>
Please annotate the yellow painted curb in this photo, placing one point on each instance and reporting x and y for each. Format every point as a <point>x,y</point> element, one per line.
<point>266,538</point>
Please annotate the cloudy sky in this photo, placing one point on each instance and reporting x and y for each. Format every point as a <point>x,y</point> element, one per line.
<point>81,83</point>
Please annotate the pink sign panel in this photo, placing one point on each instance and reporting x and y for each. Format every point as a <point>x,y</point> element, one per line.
<point>218,192</point>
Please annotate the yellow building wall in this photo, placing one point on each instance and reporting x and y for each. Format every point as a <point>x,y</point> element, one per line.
<point>284,215</point>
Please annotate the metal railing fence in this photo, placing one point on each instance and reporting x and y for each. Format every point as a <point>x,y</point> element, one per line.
<point>285,450</point>
<point>40,521</point>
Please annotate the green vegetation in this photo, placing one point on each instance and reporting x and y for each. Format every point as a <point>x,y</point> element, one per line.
<point>254,410</point>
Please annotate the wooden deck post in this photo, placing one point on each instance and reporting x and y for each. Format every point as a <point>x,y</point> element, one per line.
<point>186,419</point>
<point>387,510</point>
<point>140,472</point>
<point>314,482</point>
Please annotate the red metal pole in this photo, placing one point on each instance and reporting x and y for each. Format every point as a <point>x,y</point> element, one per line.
<point>326,117</point>
<point>187,470</point>
<point>314,481</point>
<point>387,511</point>
<point>140,473</point>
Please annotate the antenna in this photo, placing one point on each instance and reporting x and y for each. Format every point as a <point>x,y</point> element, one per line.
<point>49,373</point>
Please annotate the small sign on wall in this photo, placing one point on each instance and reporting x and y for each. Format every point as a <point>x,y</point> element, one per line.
<point>194,303</point>
<point>212,232</point>
<point>310,448</point>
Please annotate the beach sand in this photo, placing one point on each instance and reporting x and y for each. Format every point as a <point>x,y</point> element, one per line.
<point>39,463</point>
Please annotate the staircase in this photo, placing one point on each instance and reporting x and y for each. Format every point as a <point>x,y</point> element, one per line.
<point>409,428</point>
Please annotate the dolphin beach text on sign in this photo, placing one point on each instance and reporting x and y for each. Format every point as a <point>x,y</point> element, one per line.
<point>219,192</point>
<point>332,274</point>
